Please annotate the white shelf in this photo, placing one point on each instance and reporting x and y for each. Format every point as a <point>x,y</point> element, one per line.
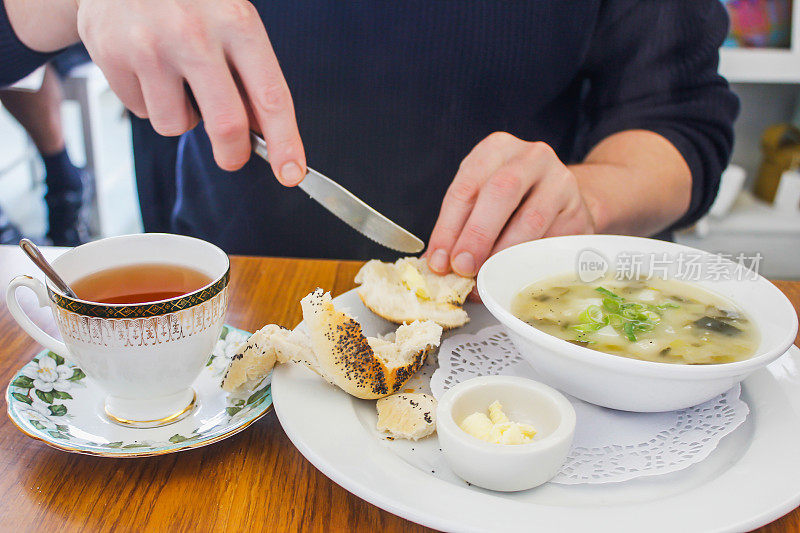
<point>754,216</point>
<point>760,65</point>
<point>764,65</point>
<point>752,227</point>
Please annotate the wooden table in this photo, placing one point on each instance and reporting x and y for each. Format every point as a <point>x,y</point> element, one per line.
<point>256,479</point>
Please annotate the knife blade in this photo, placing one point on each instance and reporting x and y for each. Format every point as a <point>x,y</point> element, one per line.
<point>349,208</point>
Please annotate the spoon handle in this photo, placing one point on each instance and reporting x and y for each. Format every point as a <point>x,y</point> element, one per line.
<point>35,254</point>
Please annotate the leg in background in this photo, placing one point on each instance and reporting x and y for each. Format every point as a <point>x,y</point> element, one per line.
<point>9,233</point>
<point>40,114</point>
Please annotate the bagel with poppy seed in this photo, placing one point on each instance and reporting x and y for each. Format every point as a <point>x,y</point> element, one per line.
<point>365,367</point>
<point>336,349</point>
<point>410,416</point>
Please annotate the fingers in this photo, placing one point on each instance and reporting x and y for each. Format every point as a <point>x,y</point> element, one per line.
<point>496,202</point>
<point>456,207</point>
<point>271,102</point>
<point>150,48</point>
<point>506,192</point>
<point>126,86</point>
<point>538,211</point>
<point>575,219</point>
<point>477,167</point>
<point>500,197</point>
<point>168,106</point>
<point>223,112</point>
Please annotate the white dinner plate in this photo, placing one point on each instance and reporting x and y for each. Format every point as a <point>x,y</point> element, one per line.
<point>752,478</point>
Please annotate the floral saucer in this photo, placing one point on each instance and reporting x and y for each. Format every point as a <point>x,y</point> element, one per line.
<point>54,401</point>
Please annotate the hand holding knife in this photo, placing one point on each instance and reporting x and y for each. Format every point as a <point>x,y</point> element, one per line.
<point>344,204</point>
<point>349,208</point>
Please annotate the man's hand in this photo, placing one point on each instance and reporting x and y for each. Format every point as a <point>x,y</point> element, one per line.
<point>148,50</point>
<point>506,191</point>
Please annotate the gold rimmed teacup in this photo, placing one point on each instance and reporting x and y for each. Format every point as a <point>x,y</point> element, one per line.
<point>145,355</point>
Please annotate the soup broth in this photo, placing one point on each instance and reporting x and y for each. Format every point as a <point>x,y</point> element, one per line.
<point>139,283</point>
<point>654,320</point>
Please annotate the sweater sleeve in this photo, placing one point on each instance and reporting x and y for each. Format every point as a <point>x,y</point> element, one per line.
<point>16,59</point>
<point>653,65</point>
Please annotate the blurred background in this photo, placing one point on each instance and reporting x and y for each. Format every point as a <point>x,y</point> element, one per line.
<point>757,210</point>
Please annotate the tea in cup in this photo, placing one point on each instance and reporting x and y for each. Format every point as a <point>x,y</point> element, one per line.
<point>148,312</point>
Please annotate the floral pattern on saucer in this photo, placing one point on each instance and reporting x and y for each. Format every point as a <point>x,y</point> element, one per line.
<point>41,387</point>
<point>229,340</point>
<point>54,401</point>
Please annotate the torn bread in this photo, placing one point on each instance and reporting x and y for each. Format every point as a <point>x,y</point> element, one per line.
<point>336,349</point>
<point>409,416</point>
<point>253,360</point>
<point>365,367</point>
<point>408,290</point>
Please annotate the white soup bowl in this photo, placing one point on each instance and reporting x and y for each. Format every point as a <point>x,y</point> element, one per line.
<point>621,382</point>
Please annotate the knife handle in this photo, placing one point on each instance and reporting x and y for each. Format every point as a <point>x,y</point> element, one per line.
<point>259,146</point>
<point>260,149</point>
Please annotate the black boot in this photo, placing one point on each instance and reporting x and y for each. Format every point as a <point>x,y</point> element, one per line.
<point>67,225</point>
<point>67,191</point>
<point>9,233</point>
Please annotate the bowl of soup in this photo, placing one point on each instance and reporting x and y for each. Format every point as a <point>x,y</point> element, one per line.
<point>636,324</point>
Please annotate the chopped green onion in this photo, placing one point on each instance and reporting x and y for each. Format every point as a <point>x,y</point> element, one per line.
<point>652,316</point>
<point>634,306</point>
<point>593,313</point>
<point>625,317</point>
<point>611,305</point>
<point>607,292</point>
<point>615,320</point>
<point>628,329</point>
<point>630,314</point>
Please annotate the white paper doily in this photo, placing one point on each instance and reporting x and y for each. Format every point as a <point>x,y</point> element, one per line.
<point>609,445</point>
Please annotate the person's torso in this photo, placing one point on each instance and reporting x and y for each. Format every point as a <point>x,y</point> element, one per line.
<point>389,99</point>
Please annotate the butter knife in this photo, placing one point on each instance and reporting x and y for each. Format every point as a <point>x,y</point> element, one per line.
<point>349,208</point>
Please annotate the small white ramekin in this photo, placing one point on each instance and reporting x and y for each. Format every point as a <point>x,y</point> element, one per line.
<point>506,467</point>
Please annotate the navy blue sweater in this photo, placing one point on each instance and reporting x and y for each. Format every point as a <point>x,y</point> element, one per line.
<point>391,96</point>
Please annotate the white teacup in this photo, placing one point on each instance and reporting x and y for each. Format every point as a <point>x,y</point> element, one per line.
<point>146,355</point>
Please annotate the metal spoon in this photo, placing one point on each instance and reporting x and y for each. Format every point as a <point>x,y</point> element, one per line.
<point>35,254</point>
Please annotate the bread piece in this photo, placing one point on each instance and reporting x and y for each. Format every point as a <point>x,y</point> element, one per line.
<point>296,348</point>
<point>336,349</point>
<point>253,360</point>
<point>367,368</point>
<point>408,290</point>
<point>409,416</point>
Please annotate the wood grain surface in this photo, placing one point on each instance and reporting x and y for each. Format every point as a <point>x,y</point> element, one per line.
<point>255,480</point>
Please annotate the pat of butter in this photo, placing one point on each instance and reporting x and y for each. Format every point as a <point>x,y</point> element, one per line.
<point>413,281</point>
<point>496,427</point>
